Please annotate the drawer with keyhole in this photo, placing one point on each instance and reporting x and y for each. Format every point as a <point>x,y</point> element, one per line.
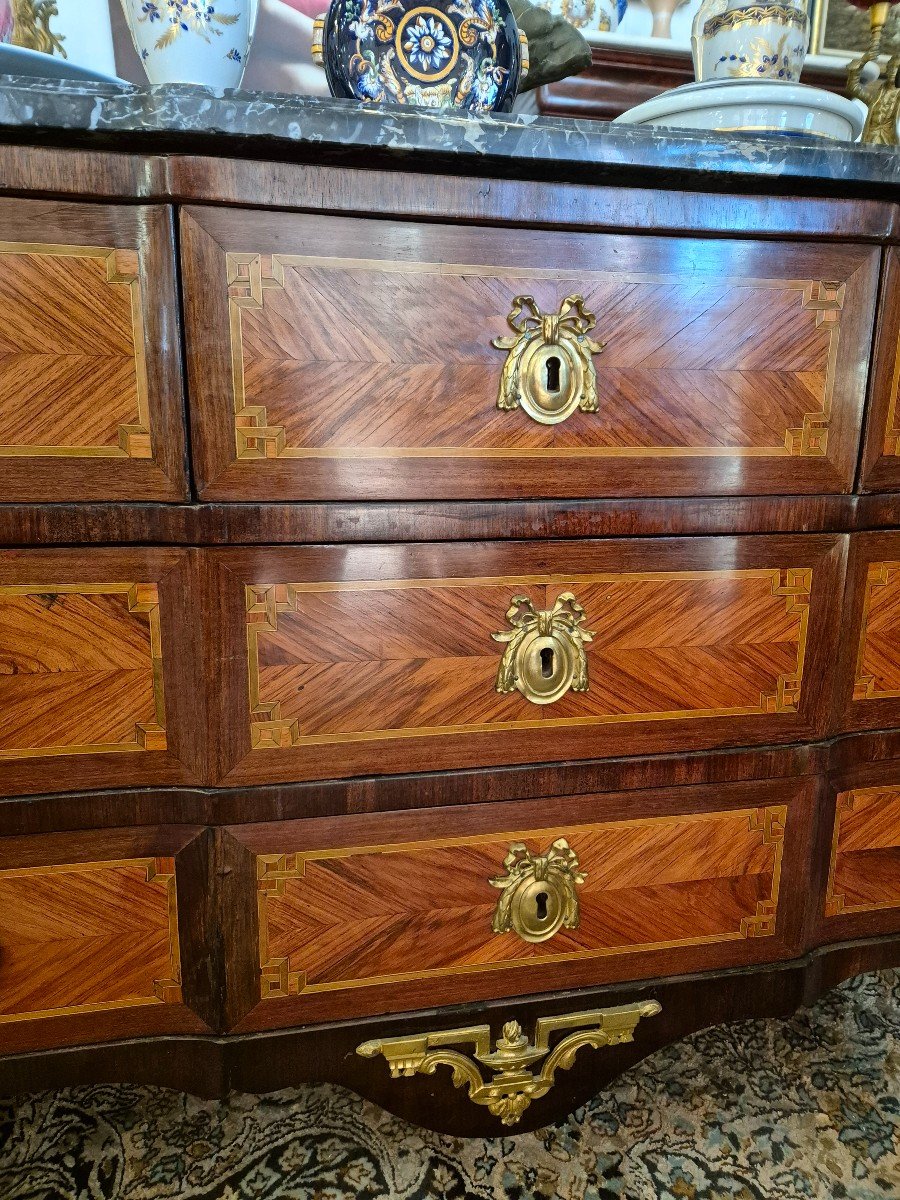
<point>389,912</point>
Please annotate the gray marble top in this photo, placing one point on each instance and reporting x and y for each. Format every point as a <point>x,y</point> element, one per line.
<point>303,128</point>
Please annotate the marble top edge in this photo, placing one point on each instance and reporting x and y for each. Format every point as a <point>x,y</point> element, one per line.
<point>122,110</point>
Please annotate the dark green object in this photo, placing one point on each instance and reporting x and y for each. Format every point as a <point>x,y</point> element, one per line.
<point>556,48</point>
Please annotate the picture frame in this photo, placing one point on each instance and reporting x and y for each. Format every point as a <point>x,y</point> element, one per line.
<point>839,29</point>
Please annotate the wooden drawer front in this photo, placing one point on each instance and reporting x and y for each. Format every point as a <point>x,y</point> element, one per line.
<point>90,393</point>
<point>870,684</point>
<point>864,876</point>
<point>344,923</point>
<point>88,937</point>
<point>89,948</point>
<point>335,358</point>
<point>87,640</point>
<point>387,670</point>
<point>881,457</point>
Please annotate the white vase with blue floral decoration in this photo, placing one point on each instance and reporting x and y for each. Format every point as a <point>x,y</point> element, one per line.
<point>192,41</point>
<point>750,40</point>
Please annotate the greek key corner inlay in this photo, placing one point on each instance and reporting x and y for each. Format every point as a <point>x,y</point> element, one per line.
<point>770,822</point>
<point>161,871</point>
<point>249,275</point>
<point>826,299</point>
<point>276,978</point>
<point>795,584</point>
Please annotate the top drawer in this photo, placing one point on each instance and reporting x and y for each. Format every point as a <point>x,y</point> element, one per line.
<point>333,358</point>
<point>90,379</point>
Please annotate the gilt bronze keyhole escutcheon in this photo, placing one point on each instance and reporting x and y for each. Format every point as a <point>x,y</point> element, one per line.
<point>538,892</point>
<point>544,655</point>
<point>549,370</point>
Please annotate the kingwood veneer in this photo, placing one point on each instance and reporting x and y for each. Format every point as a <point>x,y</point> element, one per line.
<point>264,804</point>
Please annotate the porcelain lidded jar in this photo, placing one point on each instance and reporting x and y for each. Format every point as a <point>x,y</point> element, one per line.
<point>750,40</point>
<point>463,54</point>
<point>192,41</point>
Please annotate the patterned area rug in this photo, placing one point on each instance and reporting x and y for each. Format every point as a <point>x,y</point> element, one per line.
<point>766,1110</point>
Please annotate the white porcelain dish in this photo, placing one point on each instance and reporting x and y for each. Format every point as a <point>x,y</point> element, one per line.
<point>753,106</point>
<point>16,60</point>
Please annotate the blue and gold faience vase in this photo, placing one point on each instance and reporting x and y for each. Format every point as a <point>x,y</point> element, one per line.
<point>463,54</point>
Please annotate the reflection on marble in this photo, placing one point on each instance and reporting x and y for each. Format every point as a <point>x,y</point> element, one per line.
<point>303,128</point>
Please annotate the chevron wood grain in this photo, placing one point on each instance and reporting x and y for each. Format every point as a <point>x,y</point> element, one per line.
<point>864,875</point>
<point>371,660</point>
<point>358,916</point>
<point>80,670</point>
<point>878,656</point>
<point>341,359</point>
<point>88,937</point>
<point>408,367</point>
<point>73,375</point>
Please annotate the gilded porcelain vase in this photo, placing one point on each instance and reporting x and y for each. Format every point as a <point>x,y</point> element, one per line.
<point>192,41</point>
<point>750,41</point>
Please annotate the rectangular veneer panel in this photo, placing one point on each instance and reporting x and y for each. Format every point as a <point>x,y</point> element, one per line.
<point>868,695</point>
<point>881,455</point>
<point>344,359</point>
<point>90,379</point>
<point>96,650</point>
<point>90,936</point>
<point>864,875</point>
<point>385,659</point>
<point>352,911</point>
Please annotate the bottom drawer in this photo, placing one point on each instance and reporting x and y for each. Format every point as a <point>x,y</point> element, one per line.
<point>393,912</point>
<point>89,938</point>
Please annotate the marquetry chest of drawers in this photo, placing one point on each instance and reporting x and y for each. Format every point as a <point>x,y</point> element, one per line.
<point>442,650</point>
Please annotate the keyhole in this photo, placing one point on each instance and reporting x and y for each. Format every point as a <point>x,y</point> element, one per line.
<point>553,374</point>
<point>547,662</point>
<point>540,903</point>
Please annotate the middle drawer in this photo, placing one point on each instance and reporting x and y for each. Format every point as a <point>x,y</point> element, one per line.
<point>381,659</point>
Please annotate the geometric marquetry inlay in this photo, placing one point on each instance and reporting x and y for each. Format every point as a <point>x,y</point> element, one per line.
<point>878,654</point>
<point>340,358</point>
<point>80,669</point>
<point>88,937</point>
<point>360,661</point>
<point>865,854</point>
<point>73,375</point>
<point>362,915</point>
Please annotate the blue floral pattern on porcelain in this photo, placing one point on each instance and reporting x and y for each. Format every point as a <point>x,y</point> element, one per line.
<point>464,54</point>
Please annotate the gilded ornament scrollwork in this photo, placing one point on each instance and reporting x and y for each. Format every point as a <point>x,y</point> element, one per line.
<point>515,1081</point>
<point>549,370</point>
<point>544,656</point>
<point>538,892</point>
